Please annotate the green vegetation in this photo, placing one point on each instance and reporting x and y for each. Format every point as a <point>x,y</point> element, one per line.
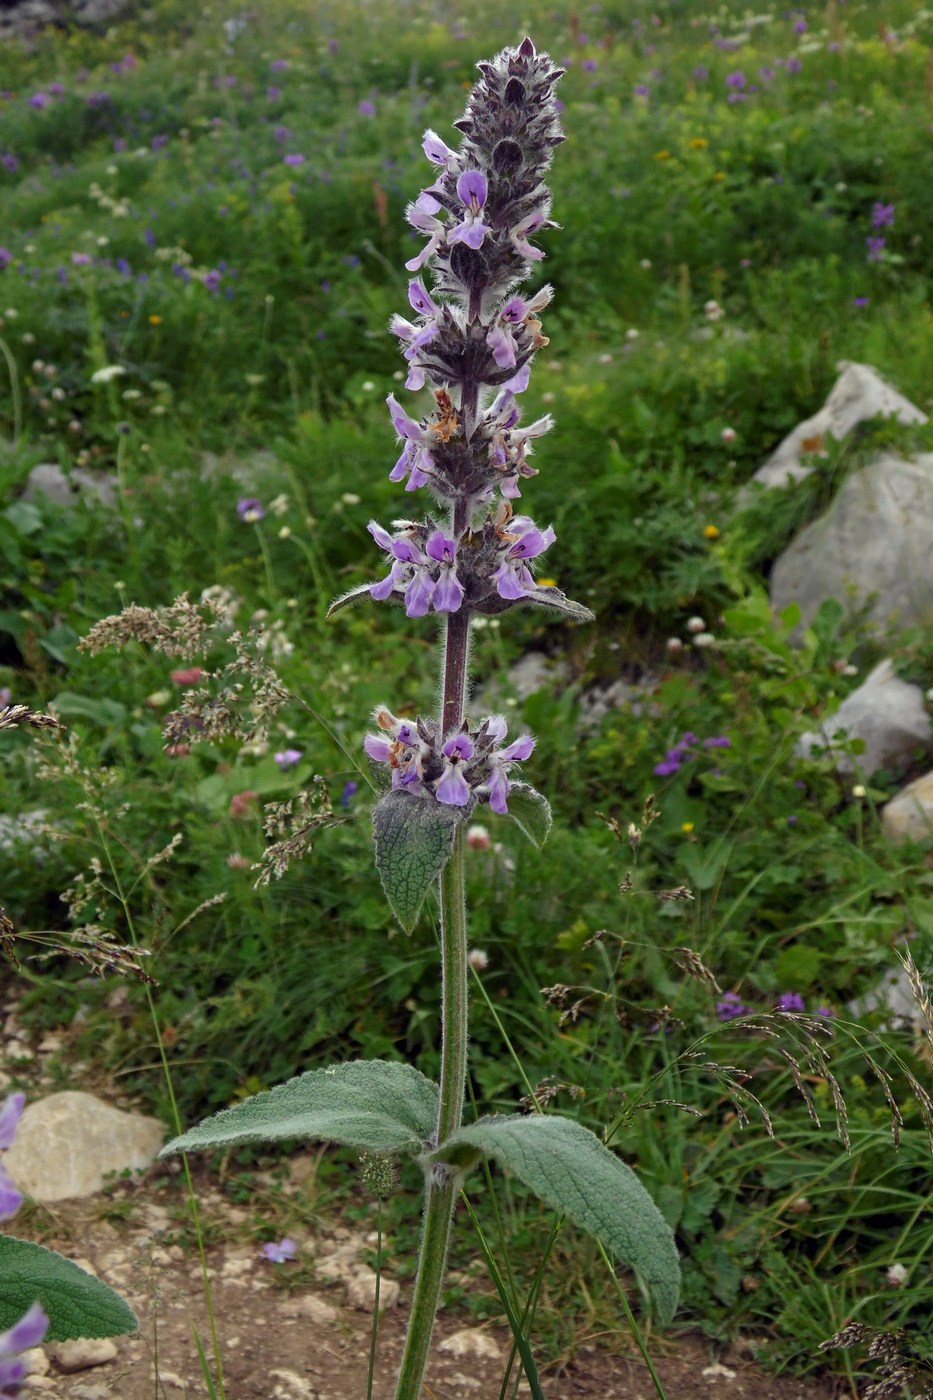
<point>204,239</point>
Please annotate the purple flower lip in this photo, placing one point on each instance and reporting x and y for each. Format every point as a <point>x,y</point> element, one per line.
<point>288,758</point>
<point>280,1252</point>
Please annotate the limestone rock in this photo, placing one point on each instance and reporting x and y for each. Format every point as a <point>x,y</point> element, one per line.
<point>361,1291</point>
<point>82,1354</point>
<point>24,18</point>
<point>858,394</point>
<point>471,1341</point>
<point>68,1143</point>
<point>872,548</point>
<point>48,482</point>
<point>909,815</point>
<point>308,1305</point>
<point>888,713</point>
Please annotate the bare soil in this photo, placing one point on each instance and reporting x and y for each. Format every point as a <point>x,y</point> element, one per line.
<point>306,1341</point>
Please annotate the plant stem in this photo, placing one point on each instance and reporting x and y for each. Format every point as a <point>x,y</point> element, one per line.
<point>443,1184</point>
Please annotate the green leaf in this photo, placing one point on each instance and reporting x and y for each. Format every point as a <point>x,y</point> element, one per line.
<point>570,1169</point>
<point>347,600</point>
<point>550,597</point>
<point>531,812</point>
<point>414,836</point>
<point>69,704</point>
<point>77,1304</point>
<point>24,517</point>
<point>380,1105</point>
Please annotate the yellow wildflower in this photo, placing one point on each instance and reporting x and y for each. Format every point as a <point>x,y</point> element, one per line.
<point>155,320</point>
<point>686,827</point>
<point>711,532</point>
<point>720,175</point>
<point>662,155</point>
<point>698,143</point>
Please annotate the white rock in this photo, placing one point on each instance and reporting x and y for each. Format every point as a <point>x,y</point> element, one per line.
<point>894,997</point>
<point>886,712</point>
<point>858,394</point>
<point>871,549</point>
<point>909,815</point>
<point>82,1354</point>
<point>36,1362</point>
<point>48,481</point>
<point>471,1341</point>
<point>717,1372</point>
<point>68,1143</point>
<point>308,1305</point>
<point>361,1291</point>
<point>292,1385</point>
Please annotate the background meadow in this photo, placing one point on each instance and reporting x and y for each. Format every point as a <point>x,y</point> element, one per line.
<point>203,242</point>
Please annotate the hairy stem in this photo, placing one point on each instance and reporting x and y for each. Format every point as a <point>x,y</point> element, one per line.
<point>441,1186</point>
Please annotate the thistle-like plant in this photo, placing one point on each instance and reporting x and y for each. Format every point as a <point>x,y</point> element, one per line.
<point>471,342</point>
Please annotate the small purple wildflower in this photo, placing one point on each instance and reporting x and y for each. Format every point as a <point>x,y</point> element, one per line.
<point>882,215</point>
<point>793,64</point>
<point>731,1006</point>
<point>281,1252</point>
<point>159,142</point>
<point>766,74</point>
<point>25,1334</point>
<point>366,108</point>
<point>875,245</point>
<point>736,80</point>
<point>250,509</point>
<point>719,741</point>
<point>790,1001</point>
<point>281,133</point>
<point>589,65</point>
<point>6,257</point>
<point>287,758</point>
<point>9,162</point>
<point>701,73</point>
<point>642,90</point>
<point>293,158</point>
<point>800,26</point>
<point>860,301</point>
<point>213,279</point>
<point>39,100</point>
<point>349,792</point>
<point>278,65</point>
<point>81,259</point>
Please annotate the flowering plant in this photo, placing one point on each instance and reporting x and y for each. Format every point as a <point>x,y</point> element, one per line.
<point>471,343</point>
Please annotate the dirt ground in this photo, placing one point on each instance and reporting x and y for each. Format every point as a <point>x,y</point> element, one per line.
<point>310,1342</point>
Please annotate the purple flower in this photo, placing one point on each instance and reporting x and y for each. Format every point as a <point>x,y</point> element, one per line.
<point>860,301</point>
<point>701,73</point>
<point>39,100</point>
<point>9,162</point>
<point>10,1114</point>
<point>793,64</point>
<point>293,158</point>
<point>415,461</point>
<point>800,26</point>
<point>766,74</point>
<point>882,215</point>
<point>250,509</point>
<point>452,789</point>
<point>436,150</point>
<point>472,190</point>
<point>349,792</point>
<point>448,590</point>
<point>589,65</point>
<point>6,257</point>
<point>790,1001</point>
<point>287,758</point>
<point>28,1332</point>
<point>279,1253</point>
<point>736,80</point>
<point>525,541</point>
<point>720,741</point>
<point>278,65</point>
<point>56,89</point>
<point>366,108</point>
<point>668,766</point>
<point>731,1007</point>
<point>81,259</point>
<point>500,760</point>
<point>875,246</point>
<point>212,279</point>
<point>281,133</point>
<point>642,90</point>
<point>159,142</point>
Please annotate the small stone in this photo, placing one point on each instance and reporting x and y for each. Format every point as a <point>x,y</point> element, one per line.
<point>293,1386</point>
<point>718,1372</point>
<point>308,1305</point>
<point>35,1361</point>
<point>471,1341</point>
<point>361,1291</point>
<point>909,815</point>
<point>82,1354</point>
